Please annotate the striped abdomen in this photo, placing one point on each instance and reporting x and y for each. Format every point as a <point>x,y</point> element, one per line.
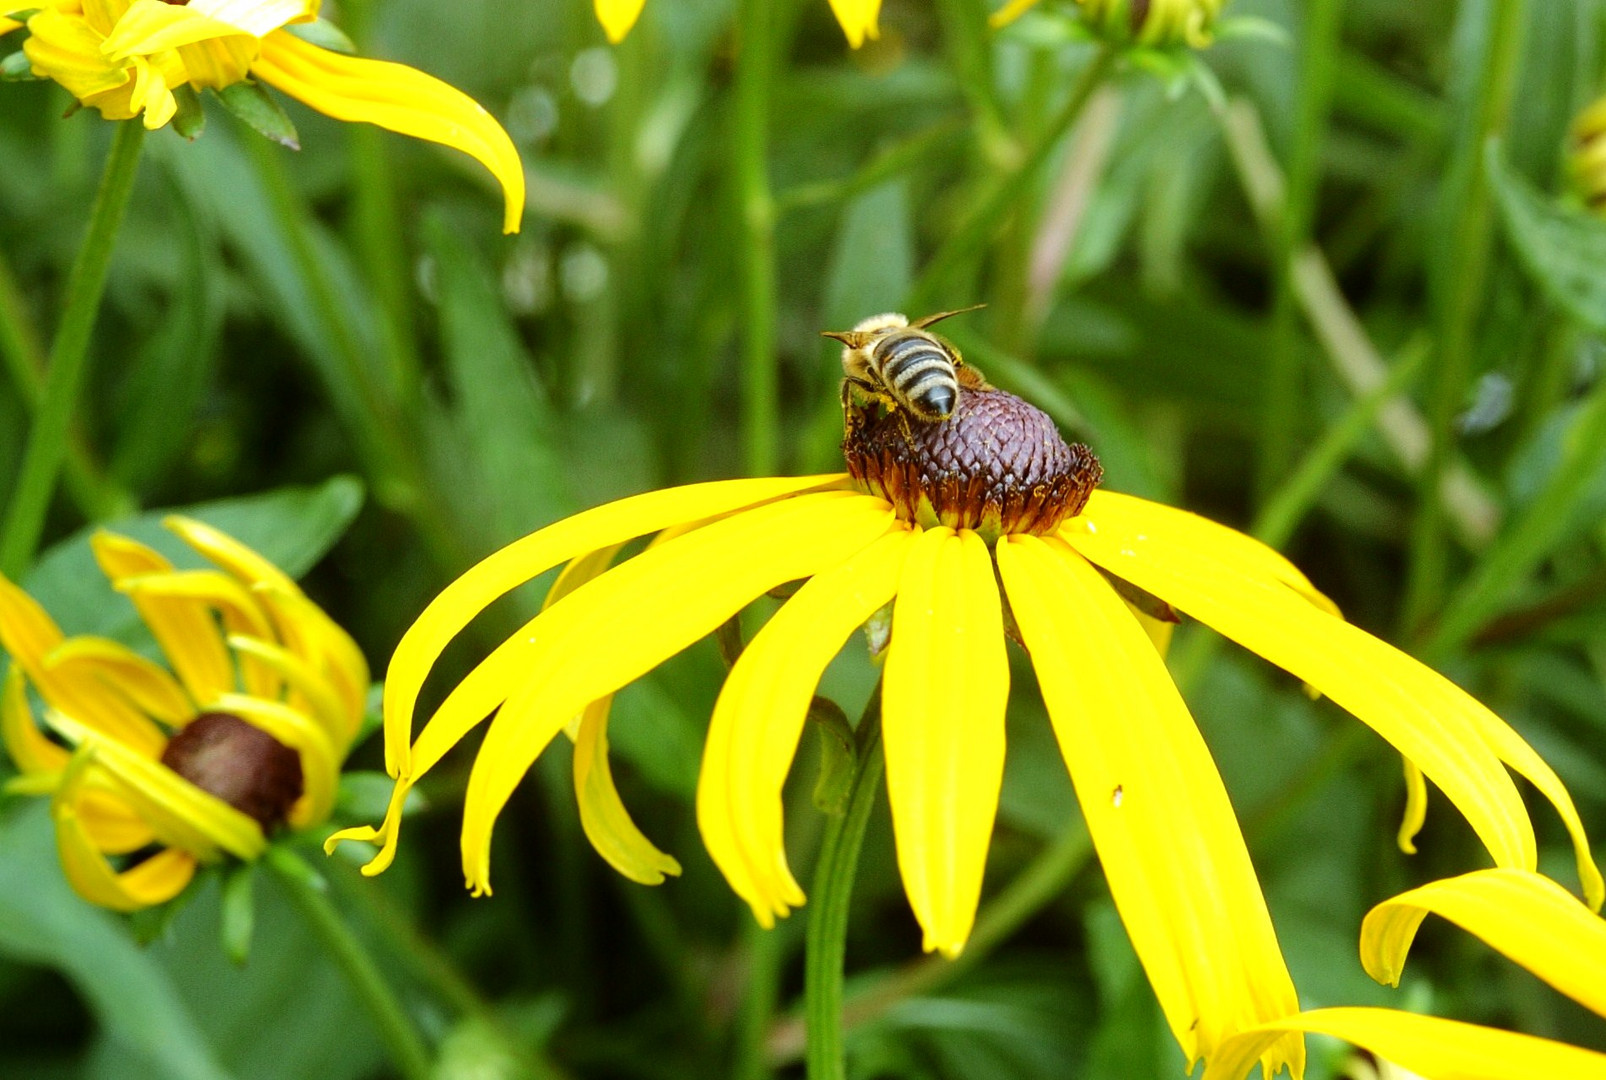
<point>918,371</point>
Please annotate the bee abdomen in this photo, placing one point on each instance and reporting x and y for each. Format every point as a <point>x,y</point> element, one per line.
<point>920,372</point>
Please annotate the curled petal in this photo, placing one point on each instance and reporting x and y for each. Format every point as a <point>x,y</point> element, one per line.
<point>1426,1045</point>
<point>946,688</point>
<point>25,744</point>
<point>1173,854</point>
<point>631,619</point>
<point>457,605</point>
<point>603,816</point>
<point>1416,807</point>
<point>396,97</point>
<point>310,691</point>
<point>148,686</point>
<point>309,633</point>
<point>759,718</point>
<point>245,565</point>
<point>1523,915</point>
<point>213,590</point>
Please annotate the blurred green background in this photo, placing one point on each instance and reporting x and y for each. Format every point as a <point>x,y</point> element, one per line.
<point>1207,280</point>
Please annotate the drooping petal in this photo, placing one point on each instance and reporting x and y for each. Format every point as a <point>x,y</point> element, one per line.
<point>457,605</point>
<point>1159,816</point>
<point>8,25</point>
<point>1425,716</point>
<point>1416,808</point>
<point>946,686</point>
<point>181,814</point>
<point>308,632</point>
<point>396,97</point>
<point>618,16</point>
<point>621,625</point>
<point>114,827</point>
<point>1426,1045</point>
<point>182,626</point>
<point>860,19</point>
<point>1524,915</point>
<point>603,816</point>
<point>213,590</point>
<point>320,764</point>
<point>65,48</point>
<point>24,743</point>
<point>310,691</point>
<point>156,880</point>
<point>759,719</point>
<point>148,686</point>
<point>29,634</point>
<point>223,550</point>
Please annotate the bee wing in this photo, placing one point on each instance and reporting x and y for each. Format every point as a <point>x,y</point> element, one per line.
<point>921,324</point>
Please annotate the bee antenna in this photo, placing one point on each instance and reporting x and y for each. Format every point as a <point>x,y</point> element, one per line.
<point>921,324</point>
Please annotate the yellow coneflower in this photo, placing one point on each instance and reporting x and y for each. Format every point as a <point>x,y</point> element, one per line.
<point>1589,156</point>
<point>972,529</point>
<point>859,18</point>
<point>152,770</point>
<point>1157,23</point>
<point>1528,918</point>
<point>127,57</point>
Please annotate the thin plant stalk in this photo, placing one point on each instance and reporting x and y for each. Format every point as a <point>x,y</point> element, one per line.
<point>401,1038</point>
<point>832,889</point>
<point>760,382</point>
<point>69,355</point>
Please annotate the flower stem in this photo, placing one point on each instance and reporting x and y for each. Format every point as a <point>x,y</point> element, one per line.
<point>828,910</point>
<point>760,379</point>
<point>306,894</point>
<point>47,440</point>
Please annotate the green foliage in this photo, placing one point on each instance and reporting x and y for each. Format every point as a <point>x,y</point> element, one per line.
<point>1261,281</point>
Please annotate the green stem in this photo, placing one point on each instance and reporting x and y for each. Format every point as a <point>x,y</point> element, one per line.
<point>765,951</point>
<point>828,909</point>
<point>983,222</point>
<point>760,423</point>
<point>306,894</point>
<point>48,438</point>
<point>1457,285</point>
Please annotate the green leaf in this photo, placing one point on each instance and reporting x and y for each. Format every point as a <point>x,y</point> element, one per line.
<point>1564,251</point>
<point>190,120</point>
<point>43,922</point>
<point>291,527</point>
<point>325,35</point>
<point>253,105</point>
<point>838,756</point>
<point>364,795</point>
<point>17,68</point>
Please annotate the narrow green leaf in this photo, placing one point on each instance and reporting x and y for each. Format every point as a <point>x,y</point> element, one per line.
<point>251,102</point>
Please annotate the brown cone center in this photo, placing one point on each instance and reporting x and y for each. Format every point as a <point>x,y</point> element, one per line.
<point>997,465</point>
<point>240,764</point>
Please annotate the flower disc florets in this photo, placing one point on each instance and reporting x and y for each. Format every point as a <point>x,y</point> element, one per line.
<point>240,764</point>
<point>997,465</point>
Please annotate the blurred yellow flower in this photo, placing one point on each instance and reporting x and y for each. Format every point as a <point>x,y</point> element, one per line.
<point>1529,918</point>
<point>127,57</point>
<point>1589,156</point>
<point>950,525</point>
<point>150,774</point>
<point>1158,23</point>
<point>859,18</point>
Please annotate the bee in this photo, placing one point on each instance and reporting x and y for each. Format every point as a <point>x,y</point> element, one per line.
<point>903,366</point>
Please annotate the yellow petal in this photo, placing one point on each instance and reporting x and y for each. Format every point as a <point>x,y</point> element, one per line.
<point>320,765</point>
<point>148,686</point>
<point>1425,716</point>
<point>220,548</point>
<point>578,571</point>
<point>213,590</point>
<point>1416,807</point>
<point>181,814</point>
<point>310,691</point>
<point>1159,816</point>
<point>603,816</point>
<point>760,716</point>
<point>1011,11</point>
<point>154,881</point>
<point>1524,915</point>
<point>8,25</point>
<point>1170,528</point>
<point>308,632</point>
<point>31,637</point>
<point>859,19</point>
<point>257,17</point>
<point>65,48</point>
<point>152,26</point>
<point>1426,1045</point>
<point>184,628</point>
<point>396,97</point>
<point>628,621</point>
<point>114,827</point>
<point>618,16</point>
<point>25,744</point>
<point>604,526</point>
<point>945,689</point>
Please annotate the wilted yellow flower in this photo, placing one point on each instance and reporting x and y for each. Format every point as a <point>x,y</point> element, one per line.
<point>1529,918</point>
<point>150,769</point>
<point>1158,23</point>
<point>127,57</point>
<point>1589,156</point>
<point>973,529</point>
<point>859,18</point>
